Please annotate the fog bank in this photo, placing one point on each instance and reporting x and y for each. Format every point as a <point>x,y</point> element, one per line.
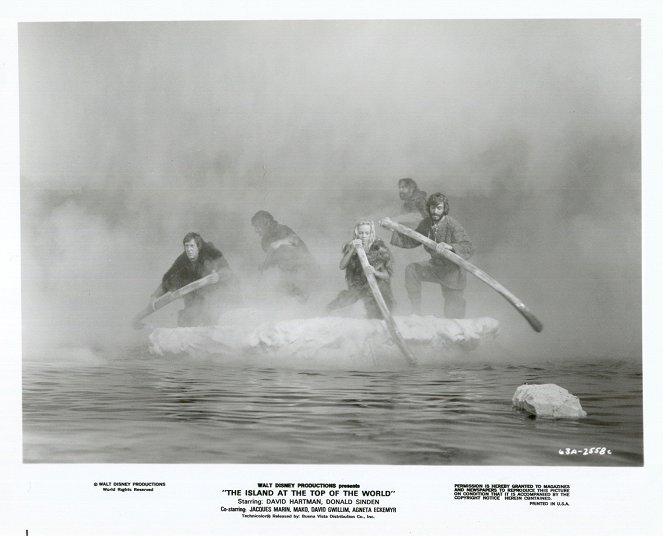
<point>133,134</point>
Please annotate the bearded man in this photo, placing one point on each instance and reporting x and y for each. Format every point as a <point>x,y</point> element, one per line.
<point>450,235</point>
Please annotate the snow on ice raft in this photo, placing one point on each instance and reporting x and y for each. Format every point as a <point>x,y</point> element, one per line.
<point>337,340</point>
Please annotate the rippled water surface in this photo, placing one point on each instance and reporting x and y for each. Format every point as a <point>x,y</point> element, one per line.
<point>138,408</point>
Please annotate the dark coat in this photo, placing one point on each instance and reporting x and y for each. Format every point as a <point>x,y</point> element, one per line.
<point>203,306</point>
<point>289,258</point>
<point>183,271</point>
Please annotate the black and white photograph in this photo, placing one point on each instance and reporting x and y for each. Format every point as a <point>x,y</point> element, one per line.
<point>332,255</point>
<point>256,160</point>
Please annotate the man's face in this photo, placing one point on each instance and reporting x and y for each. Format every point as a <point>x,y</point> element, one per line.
<point>436,212</point>
<point>405,191</point>
<point>191,250</point>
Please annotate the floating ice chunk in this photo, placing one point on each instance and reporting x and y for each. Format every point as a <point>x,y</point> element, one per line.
<point>341,341</point>
<point>548,400</point>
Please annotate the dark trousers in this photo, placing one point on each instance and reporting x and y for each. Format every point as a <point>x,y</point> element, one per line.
<point>416,273</point>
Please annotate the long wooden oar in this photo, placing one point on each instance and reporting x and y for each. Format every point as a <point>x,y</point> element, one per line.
<point>483,276</point>
<point>172,296</point>
<point>389,320</point>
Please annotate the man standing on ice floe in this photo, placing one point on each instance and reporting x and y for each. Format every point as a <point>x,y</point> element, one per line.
<point>286,251</point>
<point>380,259</point>
<point>202,307</point>
<point>449,234</point>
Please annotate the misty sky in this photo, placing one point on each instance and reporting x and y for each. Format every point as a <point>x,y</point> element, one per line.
<point>133,134</point>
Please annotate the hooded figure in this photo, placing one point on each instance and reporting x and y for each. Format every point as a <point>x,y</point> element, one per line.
<point>379,257</point>
<point>443,229</point>
<point>286,252</point>
<point>202,307</point>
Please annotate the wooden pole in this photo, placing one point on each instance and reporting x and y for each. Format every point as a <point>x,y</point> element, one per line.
<point>480,274</point>
<point>389,320</point>
<point>172,296</point>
